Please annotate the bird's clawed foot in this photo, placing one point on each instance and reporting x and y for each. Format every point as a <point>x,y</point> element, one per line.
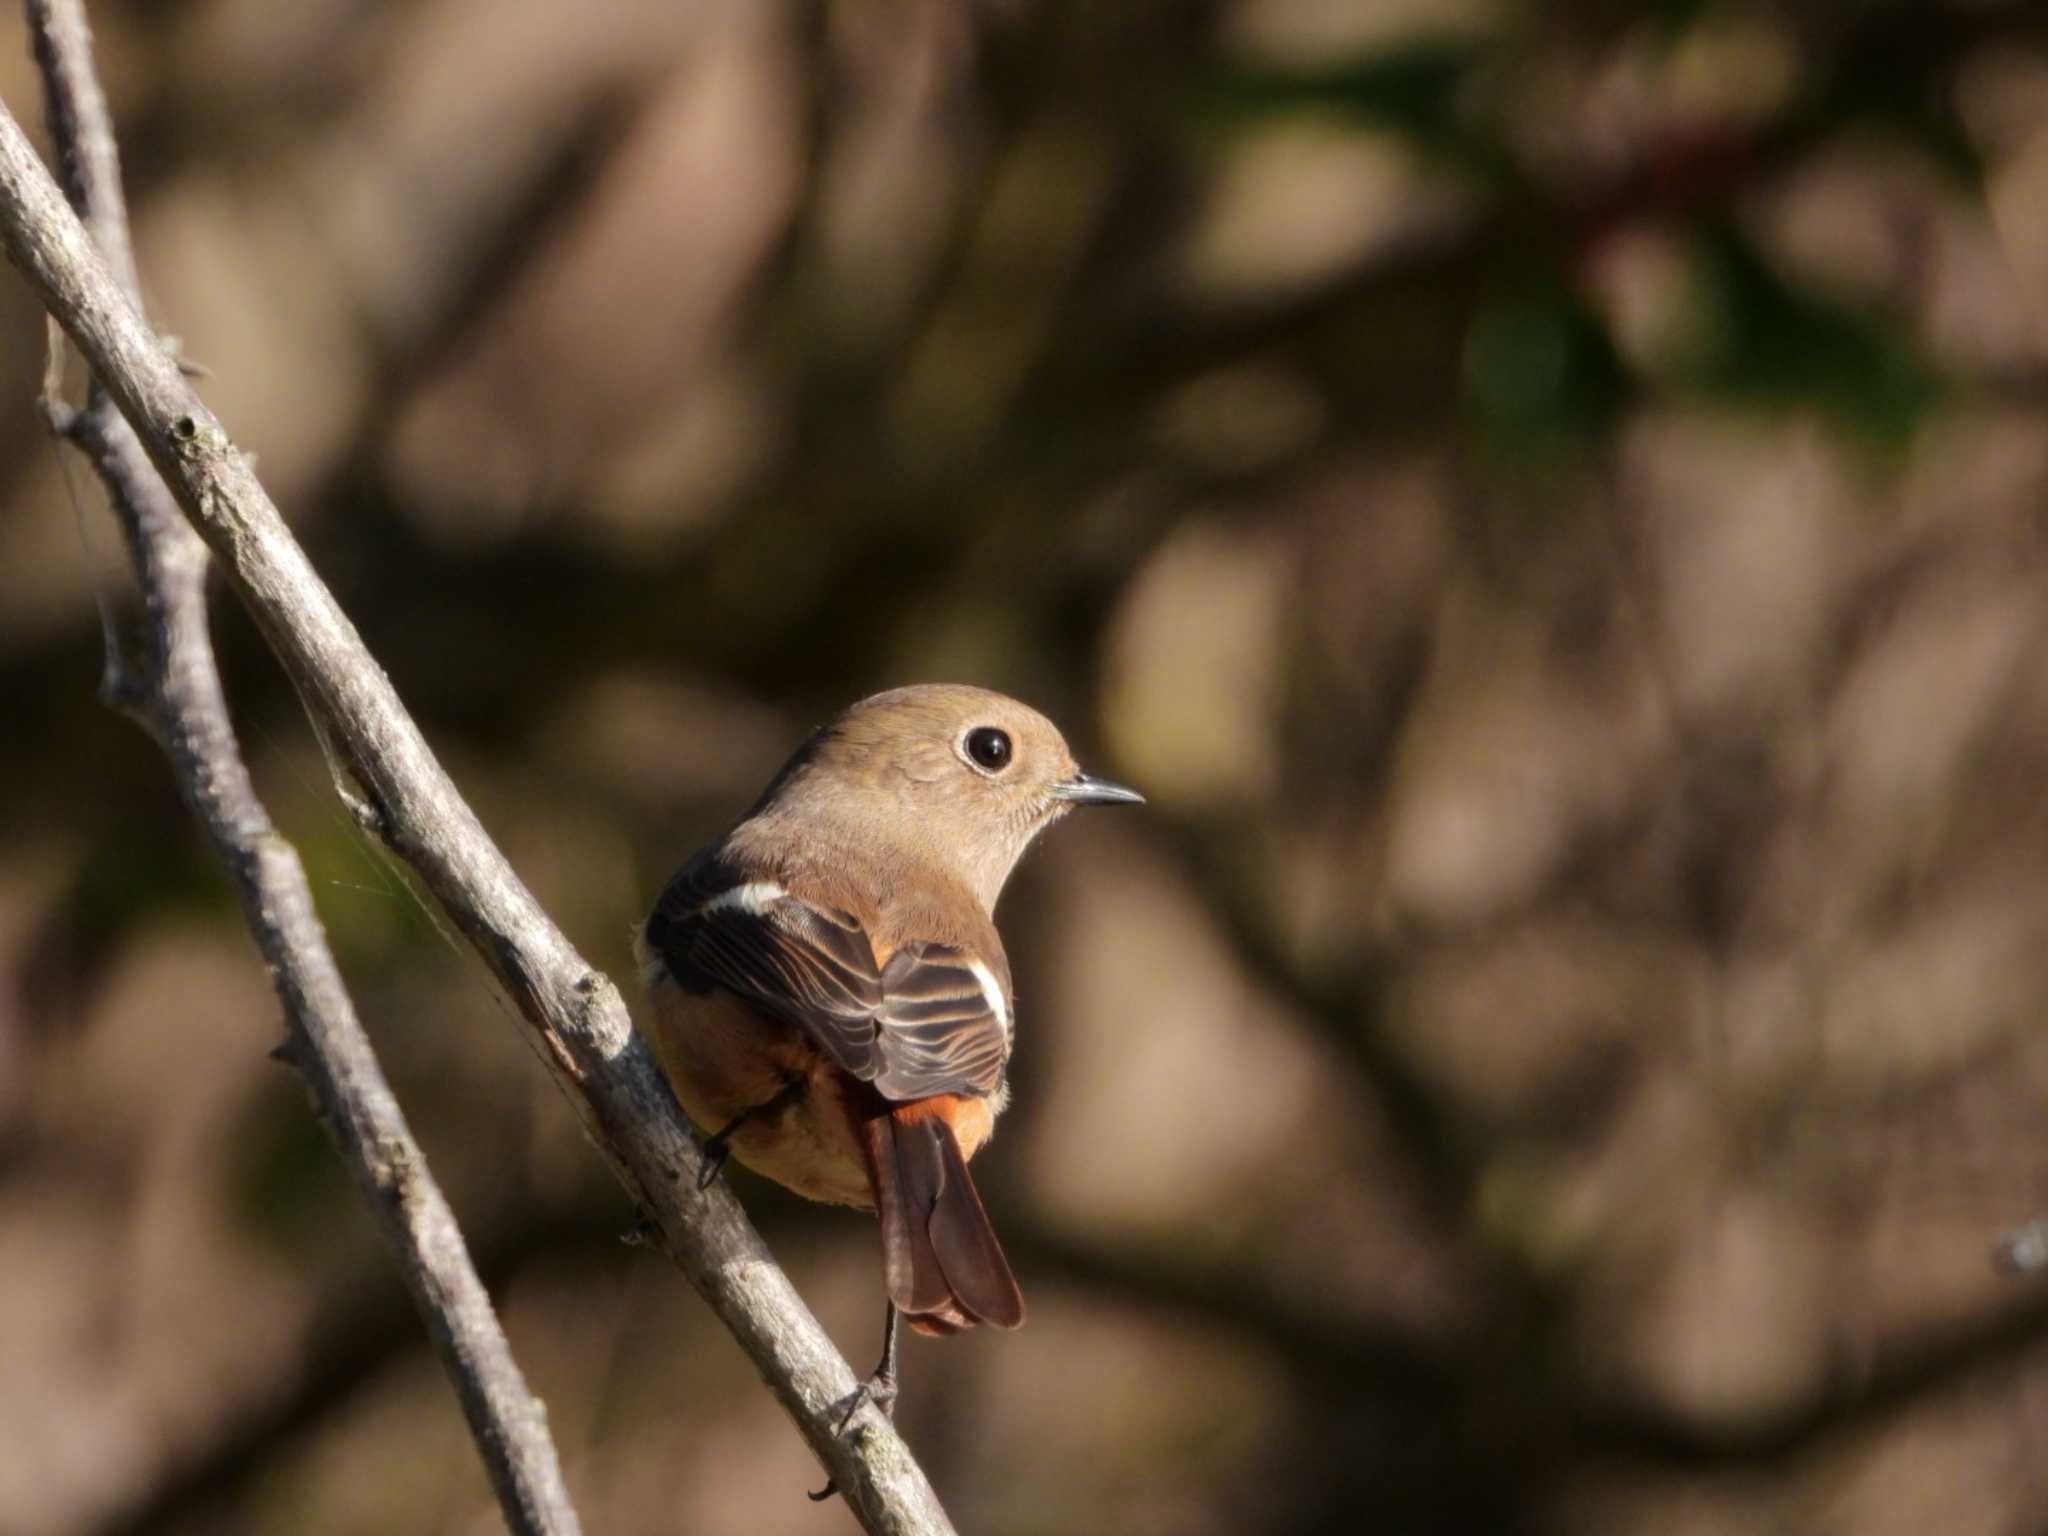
<point>879,1389</point>
<point>718,1147</point>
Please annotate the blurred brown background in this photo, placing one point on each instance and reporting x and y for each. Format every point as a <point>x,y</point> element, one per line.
<point>1548,501</point>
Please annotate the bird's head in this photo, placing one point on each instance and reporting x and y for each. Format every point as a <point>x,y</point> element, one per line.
<point>966,776</point>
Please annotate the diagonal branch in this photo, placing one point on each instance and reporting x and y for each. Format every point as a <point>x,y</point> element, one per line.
<point>578,1023</point>
<point>179,699</point>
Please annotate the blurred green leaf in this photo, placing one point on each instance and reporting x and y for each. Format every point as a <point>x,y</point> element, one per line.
<point>1413,88</point>
<point>1772,342</point>
<point>1541,375</point>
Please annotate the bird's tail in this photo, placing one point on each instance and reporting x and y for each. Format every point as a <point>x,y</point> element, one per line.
<point>940,1259</point>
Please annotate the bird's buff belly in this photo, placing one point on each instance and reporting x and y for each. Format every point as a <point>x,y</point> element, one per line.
<point>723,1058</point>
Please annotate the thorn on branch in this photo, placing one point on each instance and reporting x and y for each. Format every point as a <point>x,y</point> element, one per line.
<point>644,1233</point>
<point>125,694</point>
<point>348,787</point>
<point>190,367</point>
<point>60,416</point>
<point>364,812</point>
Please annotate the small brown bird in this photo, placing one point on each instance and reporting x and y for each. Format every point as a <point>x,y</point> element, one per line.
<point>830,999</point>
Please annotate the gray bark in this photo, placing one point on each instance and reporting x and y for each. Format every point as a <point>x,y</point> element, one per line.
<point>574,1015</point>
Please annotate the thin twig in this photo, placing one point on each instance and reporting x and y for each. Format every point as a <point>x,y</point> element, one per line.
<point>178,695</point>
<point>361,1326</point>
<point>579,1024</point>
<point>82,130</point>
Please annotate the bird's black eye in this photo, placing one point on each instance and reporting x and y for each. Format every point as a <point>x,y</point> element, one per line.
<point>989,747</point>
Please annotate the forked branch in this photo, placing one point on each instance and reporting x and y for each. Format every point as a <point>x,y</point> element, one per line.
<point>574,1014</point>
<point>175,692</point>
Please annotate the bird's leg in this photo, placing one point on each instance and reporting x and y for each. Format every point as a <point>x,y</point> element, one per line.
<point>879,1389</point>
<point>718,1147</point>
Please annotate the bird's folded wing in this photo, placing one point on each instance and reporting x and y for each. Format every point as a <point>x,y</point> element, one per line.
<point>935,1019</point>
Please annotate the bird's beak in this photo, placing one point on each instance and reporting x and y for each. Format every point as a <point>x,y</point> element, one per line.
<point>1086,789</point>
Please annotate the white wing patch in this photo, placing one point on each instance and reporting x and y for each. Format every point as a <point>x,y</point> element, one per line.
<point>753,898</point>
<point>992,990</point>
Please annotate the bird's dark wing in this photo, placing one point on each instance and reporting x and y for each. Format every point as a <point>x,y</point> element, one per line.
<point>933,1020</point>
<point>944,1023</point>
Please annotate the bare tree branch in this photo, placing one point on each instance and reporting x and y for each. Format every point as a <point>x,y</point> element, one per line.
<point>579,1023</point>
<point>361,1325</point>
<point>82,130</point>
<point>179,698</point>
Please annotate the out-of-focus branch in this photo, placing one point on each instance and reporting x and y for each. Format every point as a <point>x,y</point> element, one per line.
<point>179,698</point>
<point>361,1325</point>
<point>1628,1430</point>
<point>579,1023</point>
<point>1343,1008</point>
<point>82,130</point>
